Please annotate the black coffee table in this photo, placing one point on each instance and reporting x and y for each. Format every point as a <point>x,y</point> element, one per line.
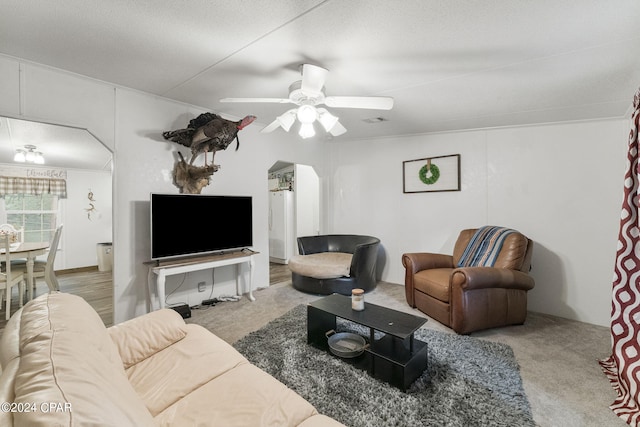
<point>397,358</point>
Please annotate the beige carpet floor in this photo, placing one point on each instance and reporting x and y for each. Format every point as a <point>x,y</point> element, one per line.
<point>558,358</point>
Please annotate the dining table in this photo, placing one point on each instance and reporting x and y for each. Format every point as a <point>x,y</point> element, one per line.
<point>28,251</point>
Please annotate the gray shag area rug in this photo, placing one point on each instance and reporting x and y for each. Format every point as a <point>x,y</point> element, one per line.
<point>468,382</point>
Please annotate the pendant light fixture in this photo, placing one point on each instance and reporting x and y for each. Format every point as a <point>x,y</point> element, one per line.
<point>28,154</point>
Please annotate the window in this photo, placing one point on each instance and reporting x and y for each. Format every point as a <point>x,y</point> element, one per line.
<point>37,214</point>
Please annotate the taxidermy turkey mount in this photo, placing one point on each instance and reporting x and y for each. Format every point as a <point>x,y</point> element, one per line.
<point>206,133</point>
<point>309,93</point>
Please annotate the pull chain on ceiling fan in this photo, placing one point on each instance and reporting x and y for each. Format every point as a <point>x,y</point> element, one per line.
<point>307,94</point>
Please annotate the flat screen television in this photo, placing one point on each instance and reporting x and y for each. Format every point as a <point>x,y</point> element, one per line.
<point>193,224</point>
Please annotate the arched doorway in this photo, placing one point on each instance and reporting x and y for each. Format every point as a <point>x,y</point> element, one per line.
<point>294,211</point>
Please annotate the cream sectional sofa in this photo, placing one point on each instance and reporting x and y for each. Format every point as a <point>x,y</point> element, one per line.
<point>62,367</point>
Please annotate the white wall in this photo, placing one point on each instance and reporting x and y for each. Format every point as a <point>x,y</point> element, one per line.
<point>561,185</point>
<point>130,123</point>
<point>81,233</point>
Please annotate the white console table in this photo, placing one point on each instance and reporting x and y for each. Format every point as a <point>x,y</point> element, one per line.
<point>162,269</point>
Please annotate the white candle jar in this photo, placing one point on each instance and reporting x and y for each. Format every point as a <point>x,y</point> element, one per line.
<point>357,299</point>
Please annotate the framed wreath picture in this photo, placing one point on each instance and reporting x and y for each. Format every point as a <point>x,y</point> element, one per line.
<point>440,173</point>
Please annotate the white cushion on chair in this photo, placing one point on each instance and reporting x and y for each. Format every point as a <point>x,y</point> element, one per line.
<point>323,265</point>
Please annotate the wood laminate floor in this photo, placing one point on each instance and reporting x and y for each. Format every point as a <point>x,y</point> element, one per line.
<point>97,288</point>
<point>278,273</point>
<point>94,286</point>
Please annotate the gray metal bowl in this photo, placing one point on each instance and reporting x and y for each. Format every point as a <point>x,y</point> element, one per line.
<point>346,344</point>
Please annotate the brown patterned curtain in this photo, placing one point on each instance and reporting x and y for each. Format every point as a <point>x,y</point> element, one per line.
<point>34,186</point>
<point>623,366</point>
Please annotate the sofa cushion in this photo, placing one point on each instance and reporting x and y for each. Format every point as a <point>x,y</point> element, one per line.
<point>170,375</point>
<point>9,359</point>
<point>67,359</point>
<point>57,311</point>
<point>142,337</point>
<point>6,389</point>
<point>434,282</point>
<point>323,265</point>
<point>9,343</point>
<point>244,396</point>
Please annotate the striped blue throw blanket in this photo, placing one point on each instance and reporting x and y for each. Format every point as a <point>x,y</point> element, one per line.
<point>484,246</point>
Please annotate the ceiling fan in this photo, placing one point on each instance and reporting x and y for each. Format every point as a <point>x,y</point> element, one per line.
<point>307,94</point>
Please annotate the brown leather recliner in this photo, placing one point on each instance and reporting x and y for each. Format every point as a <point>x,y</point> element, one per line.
<point>469,299</point>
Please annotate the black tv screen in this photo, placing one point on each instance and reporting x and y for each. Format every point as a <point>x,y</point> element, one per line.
<point>193,224</point>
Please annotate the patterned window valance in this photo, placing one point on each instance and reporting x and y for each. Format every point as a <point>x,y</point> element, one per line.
<point>35,186</point>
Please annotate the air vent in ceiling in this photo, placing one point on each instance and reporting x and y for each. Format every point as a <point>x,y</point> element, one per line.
<point>375,120</point>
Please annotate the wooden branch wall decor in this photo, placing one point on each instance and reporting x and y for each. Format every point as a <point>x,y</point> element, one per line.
<point>206,133</point>
<point>192,179</point>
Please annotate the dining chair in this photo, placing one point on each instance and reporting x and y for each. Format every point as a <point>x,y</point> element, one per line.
<point>42,268</point>
<point>9,278</point>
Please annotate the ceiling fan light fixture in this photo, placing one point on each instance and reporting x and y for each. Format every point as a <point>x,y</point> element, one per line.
<point>327,120</point>
<point>306,130</point>
<point>286,120</point>
<point>307,94</point>
<point>307,114</point>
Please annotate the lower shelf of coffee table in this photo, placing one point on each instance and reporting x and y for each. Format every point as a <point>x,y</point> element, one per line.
<point>390,360</point>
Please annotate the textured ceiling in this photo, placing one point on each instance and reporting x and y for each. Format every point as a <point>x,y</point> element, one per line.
<point>449,64</point>
<point>62,146</point>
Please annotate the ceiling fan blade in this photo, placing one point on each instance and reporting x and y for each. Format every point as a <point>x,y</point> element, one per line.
<point>271,100</point>
<point>285,120</point>
<point>313,78</point>
<point>271,126</point>
<point>337,129</point>
<point>370,102</point>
